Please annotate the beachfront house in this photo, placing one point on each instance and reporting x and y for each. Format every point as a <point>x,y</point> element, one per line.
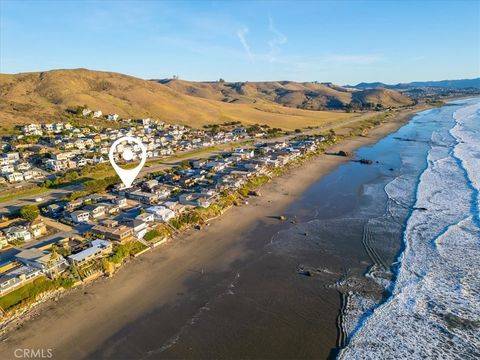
<point>17,276</point>
<point>50,263</point>
<point>161,213</point>
<point>96,249</point>
<point>196,199</point>
<point>110,229</point>
<point>139,227</point>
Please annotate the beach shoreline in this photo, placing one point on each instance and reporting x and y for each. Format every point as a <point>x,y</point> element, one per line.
<point>72,325</point>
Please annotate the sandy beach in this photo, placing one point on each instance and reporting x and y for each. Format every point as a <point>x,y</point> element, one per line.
<point>79,323</point>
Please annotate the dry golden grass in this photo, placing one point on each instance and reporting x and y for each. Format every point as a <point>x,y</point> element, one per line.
<point>44,97</point>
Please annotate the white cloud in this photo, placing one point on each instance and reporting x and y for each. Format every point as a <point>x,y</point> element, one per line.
<point>241,33</point>
<point>278,40</point>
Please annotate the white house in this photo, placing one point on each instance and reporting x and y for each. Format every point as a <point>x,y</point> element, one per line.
<point>161,213</point>
<point>18,233</point>
<point>146,217</point>
<point>86,112</point>
<point>139,227</point>
<point>7,169</point>
<point>96,249</point>
<point>80,216</point>
<point>15,177</point>
<point>97,114</point>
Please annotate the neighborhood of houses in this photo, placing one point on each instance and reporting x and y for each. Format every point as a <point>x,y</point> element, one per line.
<point>43,150</point>
<point>101,223</point>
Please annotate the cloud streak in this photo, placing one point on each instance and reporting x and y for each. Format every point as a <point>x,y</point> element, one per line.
<point>241,33</point>
<point>278,40</point>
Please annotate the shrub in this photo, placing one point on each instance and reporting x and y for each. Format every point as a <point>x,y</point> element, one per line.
<point>152,234</point>
<point>29,212</point>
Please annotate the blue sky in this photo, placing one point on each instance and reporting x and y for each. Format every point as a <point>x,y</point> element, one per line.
<point>339,41</point>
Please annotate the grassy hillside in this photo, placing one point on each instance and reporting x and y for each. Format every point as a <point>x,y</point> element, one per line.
<point>308,95</point>
<point>44,97</point>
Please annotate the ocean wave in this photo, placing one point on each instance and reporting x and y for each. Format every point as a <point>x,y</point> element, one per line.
<point>434,310</point>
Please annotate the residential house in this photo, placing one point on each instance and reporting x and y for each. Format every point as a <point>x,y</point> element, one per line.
<point>7,169</point>
<point>139,227</point>
<point>120,202</point>
<point>3,241</point>
<point>80,216</point>
<point>96,211</point>
<point>17,233</point>
<point>38,228</point>
<point>14,177</point>
<point>146,217</point>
<point>111,230</point>
<point>16,277</point>
<point>196,199</point>
<point>74,204</point>
<point>96,249</point>
<point>50,263</point>
<point>144,197</point>
<point>161,213</point>
<point>86,112</point>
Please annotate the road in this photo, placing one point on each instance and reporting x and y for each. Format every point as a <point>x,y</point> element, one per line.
<point>11,206</point>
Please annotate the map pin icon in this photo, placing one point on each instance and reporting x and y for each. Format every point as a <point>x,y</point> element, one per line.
<point>128,175</point>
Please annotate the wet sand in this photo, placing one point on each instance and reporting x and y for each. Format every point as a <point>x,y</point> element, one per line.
<point>223,283</point>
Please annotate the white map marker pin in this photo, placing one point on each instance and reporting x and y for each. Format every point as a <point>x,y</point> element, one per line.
<point>128,175</point>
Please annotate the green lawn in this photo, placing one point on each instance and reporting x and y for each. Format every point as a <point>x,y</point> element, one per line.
<point>27,293</point>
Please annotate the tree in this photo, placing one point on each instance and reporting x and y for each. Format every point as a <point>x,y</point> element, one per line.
<point>29,212</point>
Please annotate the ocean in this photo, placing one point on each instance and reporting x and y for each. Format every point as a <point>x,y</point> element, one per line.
<point>432,309</point>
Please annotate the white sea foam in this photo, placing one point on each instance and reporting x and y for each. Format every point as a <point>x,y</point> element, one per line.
<point>434,309</point>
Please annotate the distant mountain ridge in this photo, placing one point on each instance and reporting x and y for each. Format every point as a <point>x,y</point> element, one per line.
<point>301,95</point>
<point>448,84</point>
